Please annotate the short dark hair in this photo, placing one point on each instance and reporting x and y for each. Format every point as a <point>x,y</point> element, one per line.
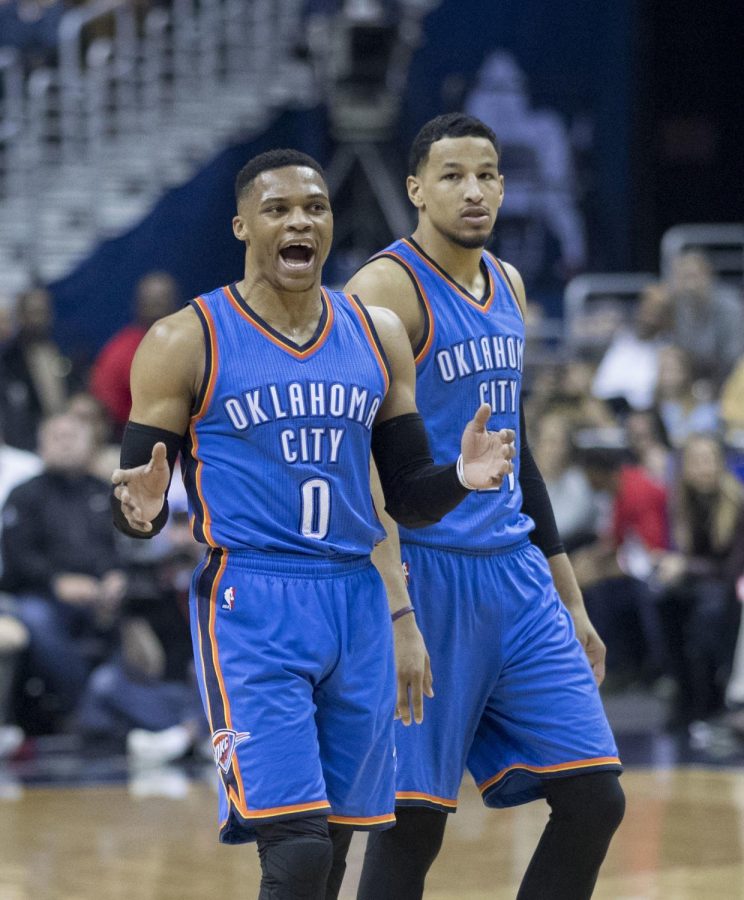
<point>273,159</point>
<point>452,125</point>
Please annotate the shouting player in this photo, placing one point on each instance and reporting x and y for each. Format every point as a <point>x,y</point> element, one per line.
<point>274,388</point>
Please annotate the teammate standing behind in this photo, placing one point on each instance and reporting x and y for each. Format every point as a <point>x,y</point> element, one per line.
<point>516,701</point>
<point>274,388</point>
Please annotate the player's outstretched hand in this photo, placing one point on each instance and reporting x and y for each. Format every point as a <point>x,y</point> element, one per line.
<point>141,491</point>
<point>486,455</point>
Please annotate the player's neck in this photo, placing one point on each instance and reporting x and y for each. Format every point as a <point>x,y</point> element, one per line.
<point>463,264</point>
<point>295,314</point>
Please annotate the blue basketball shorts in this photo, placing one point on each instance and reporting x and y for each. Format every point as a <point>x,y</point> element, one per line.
<point>515,699</point>
<point>295,665</point>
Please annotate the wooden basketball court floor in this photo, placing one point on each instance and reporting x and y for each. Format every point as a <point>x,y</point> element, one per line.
<point>682,838</point>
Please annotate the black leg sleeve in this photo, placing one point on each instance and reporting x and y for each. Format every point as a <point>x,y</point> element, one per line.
<point>397,860</point>
<point>295,859</point>
<point>341,839</point>
<point>585,812</point>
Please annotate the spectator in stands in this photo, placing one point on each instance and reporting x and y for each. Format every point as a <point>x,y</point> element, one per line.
<point>698,605</point>
<point>31,26</point>
<point>13,640</point>
<point>629,368</point>
<point>614,570</point>
<point>568,487</point>
<point>732,401</point>
<point>35,377</point>
<point>708,317</point>
<point>649,445</point>
<point>147,695</point>
<point>16,466</point>
<point>85,407</point>
<point>156,296</point>
<point>685,406</point>
<point>61,562</point>
<point>565,389</point>
<point>7,317</point>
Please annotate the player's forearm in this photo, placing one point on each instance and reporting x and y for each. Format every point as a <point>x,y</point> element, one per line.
<point>417,492</point>
<point>386,555</point>
<point>136,450</point>
<point>565,582</point>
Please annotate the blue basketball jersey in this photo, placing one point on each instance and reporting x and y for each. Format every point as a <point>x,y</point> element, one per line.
<point>472,352</point>
<point>277,452</point>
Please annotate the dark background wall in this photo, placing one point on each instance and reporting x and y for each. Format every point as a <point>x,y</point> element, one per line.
<point>688,124</point>
<point>655,85</point>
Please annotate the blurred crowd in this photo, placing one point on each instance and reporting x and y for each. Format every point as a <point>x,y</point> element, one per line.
<point>640,440</point>
<point>94,633</point>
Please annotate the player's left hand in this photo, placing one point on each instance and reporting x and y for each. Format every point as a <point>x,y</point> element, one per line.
<point>413,671</point>
<point>591,642</point>
<point>486,455</point>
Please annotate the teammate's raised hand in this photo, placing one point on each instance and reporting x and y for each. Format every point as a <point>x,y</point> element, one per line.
<point>141,491</point>
<point>486,455</point>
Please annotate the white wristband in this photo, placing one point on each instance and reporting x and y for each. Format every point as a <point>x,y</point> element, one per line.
<point>460,469</point>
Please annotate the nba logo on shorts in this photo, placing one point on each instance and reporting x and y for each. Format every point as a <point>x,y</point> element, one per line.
<point>229,598</point>
<point>224,743</point>
<point>406,572</point>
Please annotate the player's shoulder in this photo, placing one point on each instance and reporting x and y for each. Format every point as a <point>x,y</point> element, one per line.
<point>378,278</point>
<point>173,350</point>
<point>179,330</point>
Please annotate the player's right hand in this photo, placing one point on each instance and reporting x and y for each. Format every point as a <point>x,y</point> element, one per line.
<point>141,491</point>
<point>486,455</point>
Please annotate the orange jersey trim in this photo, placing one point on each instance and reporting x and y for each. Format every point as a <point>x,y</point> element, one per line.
<point>507,281</point>
<point>426,346</point>
<point>275,338</point>
<point>372,338</point>
<point>284,810</point>
<point>543,770</point>
<point>366,820</point>
<point>211,379</point>
<point>415,795</point>
<point>483,305</point>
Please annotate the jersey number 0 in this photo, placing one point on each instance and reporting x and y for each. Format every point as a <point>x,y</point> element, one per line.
<point>315,508</point>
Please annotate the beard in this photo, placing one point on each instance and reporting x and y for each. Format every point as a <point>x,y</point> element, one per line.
<point>469,242</point>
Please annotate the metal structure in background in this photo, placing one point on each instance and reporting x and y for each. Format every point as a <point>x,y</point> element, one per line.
<point>364,78</point>
<point>585,294</point>
<point>723,245</point>
<point>131,108</point>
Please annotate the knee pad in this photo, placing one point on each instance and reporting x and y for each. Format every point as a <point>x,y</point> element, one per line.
<point>296,858</point>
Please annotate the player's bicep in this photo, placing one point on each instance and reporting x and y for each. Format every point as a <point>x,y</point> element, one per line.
<point>164,374</point>
<point>401,396</point>
<point>516,281</point>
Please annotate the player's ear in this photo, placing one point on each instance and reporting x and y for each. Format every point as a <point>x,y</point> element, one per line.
<point>501,181</point>
<point>413,186</point>
<point>239,229</point>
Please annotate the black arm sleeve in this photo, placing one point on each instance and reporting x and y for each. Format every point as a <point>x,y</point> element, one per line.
<point>417,493</point>
<point>136,450</point>
<point>535,500</point>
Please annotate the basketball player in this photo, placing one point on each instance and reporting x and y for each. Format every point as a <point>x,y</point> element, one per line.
<point>517,702</point>
<point>273,389</point>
